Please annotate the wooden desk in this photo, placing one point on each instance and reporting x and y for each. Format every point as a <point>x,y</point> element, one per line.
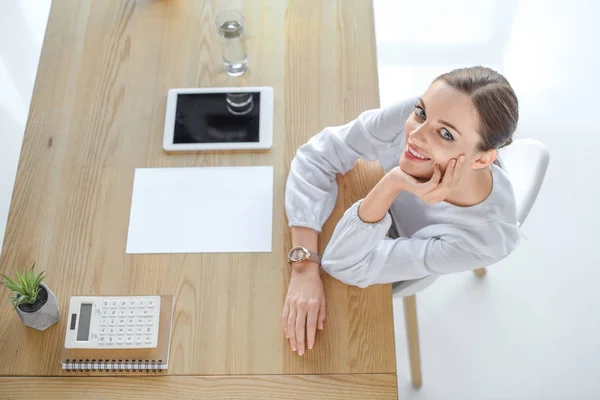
<point>97,113</point>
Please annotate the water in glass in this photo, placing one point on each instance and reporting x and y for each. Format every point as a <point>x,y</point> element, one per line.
<point>235,58</point>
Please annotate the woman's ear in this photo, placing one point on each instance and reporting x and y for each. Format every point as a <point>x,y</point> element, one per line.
<point>485,159</point>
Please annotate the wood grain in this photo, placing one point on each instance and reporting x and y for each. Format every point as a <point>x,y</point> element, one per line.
<point>412,338</point>
<point>97,113</point>
<point>270,387</point>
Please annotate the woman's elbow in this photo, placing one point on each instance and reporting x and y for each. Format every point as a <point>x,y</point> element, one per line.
<point>353,274</point>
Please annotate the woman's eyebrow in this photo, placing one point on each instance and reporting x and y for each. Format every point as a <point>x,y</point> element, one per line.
<point>450,125</point>
<point>441,120</point>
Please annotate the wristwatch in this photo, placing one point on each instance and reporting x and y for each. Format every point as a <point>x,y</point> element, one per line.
<point>299,254</point>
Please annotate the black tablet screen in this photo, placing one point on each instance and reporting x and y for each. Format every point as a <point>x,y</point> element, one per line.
<point>217,118</point>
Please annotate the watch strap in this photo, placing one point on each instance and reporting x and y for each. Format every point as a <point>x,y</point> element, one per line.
<point>314,257</point>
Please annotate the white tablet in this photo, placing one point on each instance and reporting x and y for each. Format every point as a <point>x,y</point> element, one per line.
<point>219,119</point>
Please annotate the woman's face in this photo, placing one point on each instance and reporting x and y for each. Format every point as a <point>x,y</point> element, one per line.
<point>442,127</point>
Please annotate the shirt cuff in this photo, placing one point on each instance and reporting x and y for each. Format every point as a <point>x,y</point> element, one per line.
<point>354,218</point>
<point>303,224</point>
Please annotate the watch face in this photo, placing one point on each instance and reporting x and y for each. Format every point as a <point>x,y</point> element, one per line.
<point>297,254</point>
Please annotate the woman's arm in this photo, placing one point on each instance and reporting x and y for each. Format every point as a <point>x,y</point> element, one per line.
<point>379,200</point>
<point>311,193</point>
<point>359,253</point>
<point>311,189</point>
<point>304,307</point>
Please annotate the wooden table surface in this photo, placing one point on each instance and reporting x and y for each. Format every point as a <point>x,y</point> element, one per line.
<point>97,113</point>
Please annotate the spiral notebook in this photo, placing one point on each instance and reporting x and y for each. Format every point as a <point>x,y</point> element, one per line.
<point>118,334</point>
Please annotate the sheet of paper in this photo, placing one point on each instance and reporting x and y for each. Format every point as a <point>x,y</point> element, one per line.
<point>201,210</point>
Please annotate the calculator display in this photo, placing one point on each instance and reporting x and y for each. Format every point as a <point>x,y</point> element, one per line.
<point>85,317</point>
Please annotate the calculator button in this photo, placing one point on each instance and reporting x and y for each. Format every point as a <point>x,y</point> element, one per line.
<point>131,313</point>
<point>140,322</point>
<point>114,304</point>
<point>106,304</point>
<point>139,331</point>
<point>121,322</point>
<point>112,322</point>
<point>144,313</point>
<point>113,313</point>
<point>148,339</point>
<point>102,340</point>
<point>129,331</point>
<point>104,313</point>
<point>139,339</point>
<point>129,339</point>
<point>132,303</point>
<point>111,331</point>
<point>150,303</point>
<point>149,321</point>
<point>110,340</point>
<point>122,313</point>
<point>148,330</point>
<point>103,331</point>
<point>123,303</point>
<point>120,331</point>
<point>120,340</point>
<point>142,304</point>
<point>131,321</point>
<point>103,322</point>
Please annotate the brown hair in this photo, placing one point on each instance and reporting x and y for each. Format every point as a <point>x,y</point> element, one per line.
<point>494,100</point>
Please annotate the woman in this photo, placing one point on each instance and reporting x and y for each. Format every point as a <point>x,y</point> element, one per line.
<point>451,205</point>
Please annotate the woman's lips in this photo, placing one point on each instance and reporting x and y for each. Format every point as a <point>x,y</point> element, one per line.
<point>410,155</point>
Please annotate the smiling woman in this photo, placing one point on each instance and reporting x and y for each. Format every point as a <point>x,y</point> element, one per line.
<point>451,204</point>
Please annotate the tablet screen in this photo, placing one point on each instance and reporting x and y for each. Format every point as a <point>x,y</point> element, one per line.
<point>217,118</point>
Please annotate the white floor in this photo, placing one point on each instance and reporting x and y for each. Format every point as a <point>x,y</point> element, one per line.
<point>530,329</point>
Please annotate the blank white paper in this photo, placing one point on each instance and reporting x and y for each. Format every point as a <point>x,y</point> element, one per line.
<point>201,210</point>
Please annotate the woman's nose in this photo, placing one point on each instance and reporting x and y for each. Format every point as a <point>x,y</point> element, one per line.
<point>419,136</point>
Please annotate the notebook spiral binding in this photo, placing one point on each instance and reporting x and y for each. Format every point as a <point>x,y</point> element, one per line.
<point>113,365</point>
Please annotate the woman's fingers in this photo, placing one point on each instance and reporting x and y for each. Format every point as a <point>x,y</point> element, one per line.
<point>301,329</point>
<point>459,170</point>
<point>291,328</point>
<point>446,184</point>
<point>443,189</point>
<point>284,318</point>
<point>322,313</point>
<point>300,321</point>
<point>434,181</point>
<point>311,325</point>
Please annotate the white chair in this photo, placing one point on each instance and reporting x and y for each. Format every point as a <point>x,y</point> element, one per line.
<point>525,161</point>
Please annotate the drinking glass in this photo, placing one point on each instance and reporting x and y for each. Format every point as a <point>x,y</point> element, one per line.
<point>230,24</point>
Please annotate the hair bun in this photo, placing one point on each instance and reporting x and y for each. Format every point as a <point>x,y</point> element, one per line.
<point>508,142</point>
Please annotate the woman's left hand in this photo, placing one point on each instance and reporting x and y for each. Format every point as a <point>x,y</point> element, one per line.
<point>437,188</point>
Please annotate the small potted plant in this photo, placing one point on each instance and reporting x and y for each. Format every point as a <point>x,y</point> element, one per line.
<point>34,301</point>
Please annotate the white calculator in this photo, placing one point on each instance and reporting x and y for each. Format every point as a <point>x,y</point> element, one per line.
<point>120,322</point>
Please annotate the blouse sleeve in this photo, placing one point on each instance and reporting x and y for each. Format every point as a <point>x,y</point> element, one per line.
<point>360,254</point>
<point>311,189</point>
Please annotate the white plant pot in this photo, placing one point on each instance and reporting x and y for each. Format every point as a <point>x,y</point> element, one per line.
<point>45,316</point>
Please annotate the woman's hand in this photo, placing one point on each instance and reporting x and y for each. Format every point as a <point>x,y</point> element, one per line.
<point>304,308</point>
<point>434,190</point>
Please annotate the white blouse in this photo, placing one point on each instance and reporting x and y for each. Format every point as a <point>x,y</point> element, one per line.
<point>433,239</point>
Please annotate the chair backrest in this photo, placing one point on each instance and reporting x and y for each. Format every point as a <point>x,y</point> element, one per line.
<point>525,161</point>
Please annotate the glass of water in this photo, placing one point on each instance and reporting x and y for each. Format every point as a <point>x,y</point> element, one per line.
<point>230,24</point>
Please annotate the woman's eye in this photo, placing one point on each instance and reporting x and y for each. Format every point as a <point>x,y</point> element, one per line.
<point>419,112</point>
<point>446,135</point>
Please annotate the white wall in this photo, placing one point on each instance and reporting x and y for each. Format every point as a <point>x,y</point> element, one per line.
<point>22,27</point>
